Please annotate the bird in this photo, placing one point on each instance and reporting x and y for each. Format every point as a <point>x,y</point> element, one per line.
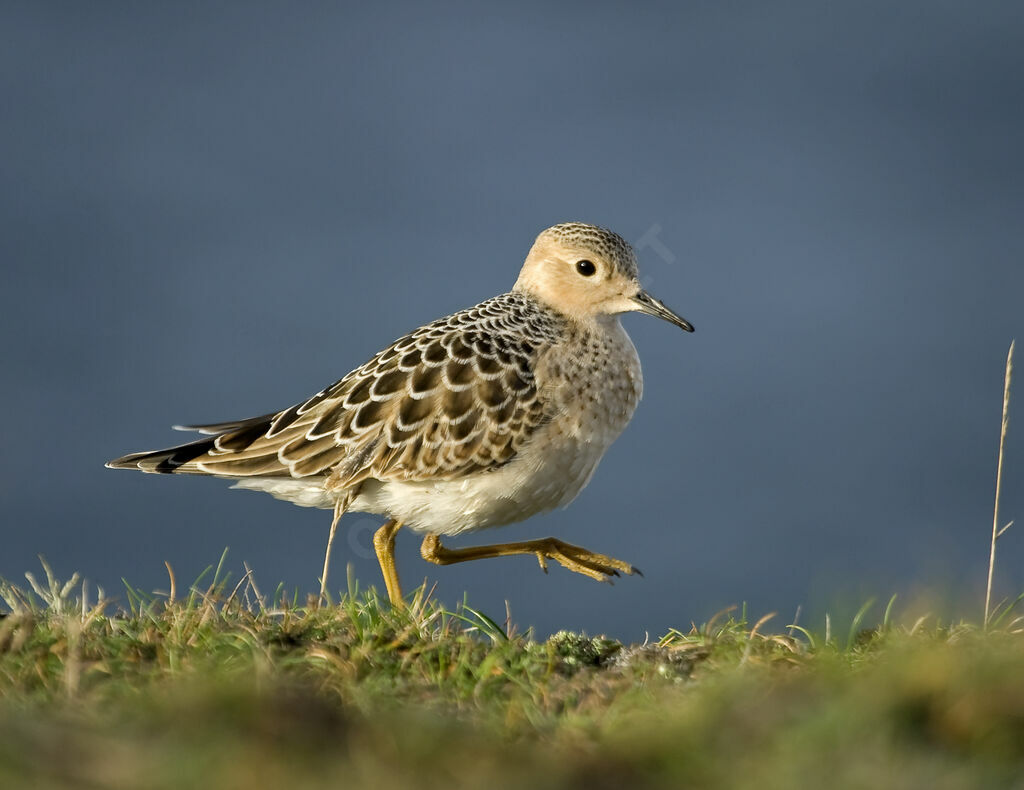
<point>479,419</point>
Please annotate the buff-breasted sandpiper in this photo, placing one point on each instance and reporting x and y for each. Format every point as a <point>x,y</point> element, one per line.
<point>479,419</point>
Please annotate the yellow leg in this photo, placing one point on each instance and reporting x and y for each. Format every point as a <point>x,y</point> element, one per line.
<point>384,545</point>
<point>575,558</point>
<point>339,510</point>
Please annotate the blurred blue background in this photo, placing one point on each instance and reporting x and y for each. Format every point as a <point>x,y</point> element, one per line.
<point>211,211</point>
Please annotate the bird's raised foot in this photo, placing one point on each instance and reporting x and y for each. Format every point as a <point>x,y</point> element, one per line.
<point>600,567</point>
<point>576,558</point>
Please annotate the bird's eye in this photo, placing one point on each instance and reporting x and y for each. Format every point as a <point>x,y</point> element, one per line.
<point>586,268</point>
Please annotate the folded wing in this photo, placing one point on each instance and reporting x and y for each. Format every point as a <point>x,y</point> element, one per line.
<point>456,397</point>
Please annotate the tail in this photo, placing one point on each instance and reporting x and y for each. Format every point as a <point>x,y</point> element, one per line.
<point>225,436</point>
<point>164,461</point>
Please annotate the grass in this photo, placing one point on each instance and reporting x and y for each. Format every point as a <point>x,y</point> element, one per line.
<point>998,531</point>
<point>226,687</point>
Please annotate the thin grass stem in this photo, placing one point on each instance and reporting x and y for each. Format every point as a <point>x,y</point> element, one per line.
<point>996,532</point>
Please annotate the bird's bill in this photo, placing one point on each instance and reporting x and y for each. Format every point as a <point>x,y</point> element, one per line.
<point>645,303</point>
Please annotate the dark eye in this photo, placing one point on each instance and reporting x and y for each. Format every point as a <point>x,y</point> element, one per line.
<point>586,268</point>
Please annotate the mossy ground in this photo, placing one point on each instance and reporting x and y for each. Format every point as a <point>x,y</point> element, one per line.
<point>222,688</point>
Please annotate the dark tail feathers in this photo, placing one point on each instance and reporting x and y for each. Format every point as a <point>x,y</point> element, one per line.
<point>163,461</point>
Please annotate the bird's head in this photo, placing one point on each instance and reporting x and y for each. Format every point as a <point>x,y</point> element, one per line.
<point>584,272</point>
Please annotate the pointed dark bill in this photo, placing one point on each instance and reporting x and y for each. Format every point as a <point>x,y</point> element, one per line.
<point>645,303</point>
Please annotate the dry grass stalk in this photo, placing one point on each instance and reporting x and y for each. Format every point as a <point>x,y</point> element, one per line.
<point>996,531</point>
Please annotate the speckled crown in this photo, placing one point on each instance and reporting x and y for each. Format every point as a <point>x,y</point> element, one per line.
<point>608,243</point>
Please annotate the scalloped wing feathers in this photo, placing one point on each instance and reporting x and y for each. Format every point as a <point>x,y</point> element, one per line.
<point>450,399</point>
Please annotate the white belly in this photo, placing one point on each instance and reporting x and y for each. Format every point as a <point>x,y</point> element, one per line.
<point>536,481</point>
